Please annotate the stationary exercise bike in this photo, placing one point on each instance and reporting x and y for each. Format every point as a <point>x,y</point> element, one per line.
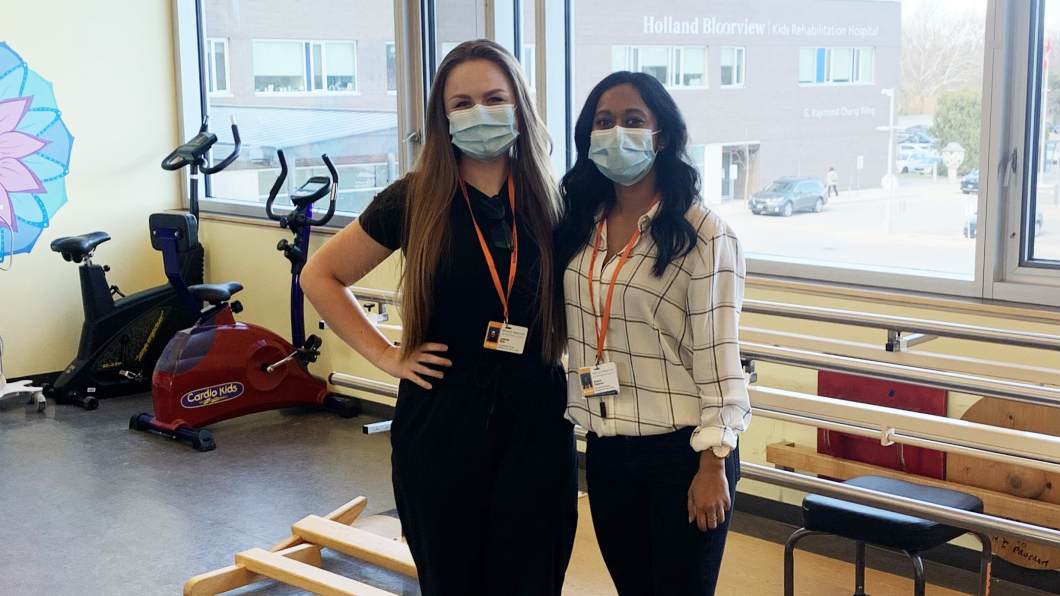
<point>221,369</point>
<point>122,339</point>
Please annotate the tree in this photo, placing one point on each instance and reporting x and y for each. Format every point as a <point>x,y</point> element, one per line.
<point>744,157</point>
<point>959,118</point>
<point>942,49</point>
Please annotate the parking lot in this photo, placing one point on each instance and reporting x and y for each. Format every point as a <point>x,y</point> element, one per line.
<point>926,228</point>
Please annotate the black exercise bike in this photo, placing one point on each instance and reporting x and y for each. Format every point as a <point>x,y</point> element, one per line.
<point>122,339</point>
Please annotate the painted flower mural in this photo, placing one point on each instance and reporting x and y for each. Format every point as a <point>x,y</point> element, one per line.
<point>34,155</point>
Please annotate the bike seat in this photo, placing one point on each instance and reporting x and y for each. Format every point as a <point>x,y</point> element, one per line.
<point>215,293</point>
<point>76,248</point>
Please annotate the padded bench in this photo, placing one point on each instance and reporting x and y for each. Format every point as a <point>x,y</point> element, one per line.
<point>868,525</point>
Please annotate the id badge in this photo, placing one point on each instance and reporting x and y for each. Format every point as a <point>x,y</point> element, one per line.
<point>599,380</point>
<point>505,337</point>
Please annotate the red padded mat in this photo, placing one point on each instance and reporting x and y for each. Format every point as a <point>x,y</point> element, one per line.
<point>914,460</point>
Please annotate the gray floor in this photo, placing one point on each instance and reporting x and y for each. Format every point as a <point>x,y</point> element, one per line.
<point>92,508</point>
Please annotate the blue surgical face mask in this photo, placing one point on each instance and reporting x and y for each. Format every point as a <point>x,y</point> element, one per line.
<point>624,155</point>
<point>484,132</point>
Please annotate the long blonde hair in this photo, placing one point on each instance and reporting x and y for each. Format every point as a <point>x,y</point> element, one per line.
<point>433,182</point>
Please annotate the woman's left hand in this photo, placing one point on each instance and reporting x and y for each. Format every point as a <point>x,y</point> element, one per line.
<point>708,497</point>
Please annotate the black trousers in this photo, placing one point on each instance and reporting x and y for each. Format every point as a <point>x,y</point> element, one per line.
<point>485,479</point>
<point>638,494</point>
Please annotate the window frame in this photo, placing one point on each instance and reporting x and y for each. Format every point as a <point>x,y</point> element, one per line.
<point>998,275</point>
<point>739,66</point>
<point>675,56</point>
<point>528,60</point>
<point>308,69</point>
<point>193,99</point>
<point>829,65</point>
<point>386,57</point>
<point>1006,273</point>
<point>211,59</point>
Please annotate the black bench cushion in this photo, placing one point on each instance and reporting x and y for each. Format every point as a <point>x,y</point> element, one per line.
<point>76,247</point>
<point>885,528</point>
<point>215,293</point>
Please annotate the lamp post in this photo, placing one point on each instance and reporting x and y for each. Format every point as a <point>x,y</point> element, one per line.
<point>890,179</point>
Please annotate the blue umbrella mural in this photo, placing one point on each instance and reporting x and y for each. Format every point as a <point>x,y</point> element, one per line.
<point>34,155</point>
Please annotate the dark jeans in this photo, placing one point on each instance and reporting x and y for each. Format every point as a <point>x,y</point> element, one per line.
<point>638,494</point>
<point>485,480</point>
<point>832,188</point>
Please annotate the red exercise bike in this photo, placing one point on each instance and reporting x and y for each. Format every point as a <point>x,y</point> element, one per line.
<point>220,369</point>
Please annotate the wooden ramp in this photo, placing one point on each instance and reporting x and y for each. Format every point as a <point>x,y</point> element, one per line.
<point>752,567</point>
<point>296,559</point>
<point>357,543</point>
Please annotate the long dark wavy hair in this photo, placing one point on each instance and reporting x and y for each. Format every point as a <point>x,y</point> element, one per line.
<point>585,190</point>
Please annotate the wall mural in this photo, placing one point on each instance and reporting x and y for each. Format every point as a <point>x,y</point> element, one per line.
<point>34,156</point>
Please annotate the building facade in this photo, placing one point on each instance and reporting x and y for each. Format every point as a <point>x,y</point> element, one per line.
<point>769,88</point>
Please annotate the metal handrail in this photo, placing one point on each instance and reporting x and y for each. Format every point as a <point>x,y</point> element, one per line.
<point>974,522</point>
<point>890,425</point>
<point>384,296</point>
<point>362,384</point>
<point>904,324</point>
<point>949,381</point>
<point>1034,453</point>
<point>1025,339</point>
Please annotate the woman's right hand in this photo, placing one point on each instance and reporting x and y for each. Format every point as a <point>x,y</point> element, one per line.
<point>414,366</point>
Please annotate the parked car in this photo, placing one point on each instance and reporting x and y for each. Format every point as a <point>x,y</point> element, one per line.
<point>915,137</point>
<point>969,226</point>
<point>970,182</point>
<point>789,194</point>
<point>907,149</point>
<point>919,163</point>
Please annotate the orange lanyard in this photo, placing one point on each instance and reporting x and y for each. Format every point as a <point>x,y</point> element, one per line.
<point>601,329</point>
<point>486,249</point>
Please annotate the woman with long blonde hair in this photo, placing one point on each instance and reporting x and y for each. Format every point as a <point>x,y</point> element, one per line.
<point>484,466</point>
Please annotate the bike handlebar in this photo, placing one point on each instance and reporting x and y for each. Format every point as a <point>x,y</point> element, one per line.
<point>195,150</point>
<point>231,157</point>
<point>275,190</point>
<point>334,193</point>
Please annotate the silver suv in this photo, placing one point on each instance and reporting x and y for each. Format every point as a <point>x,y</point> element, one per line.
<point>789,194</point>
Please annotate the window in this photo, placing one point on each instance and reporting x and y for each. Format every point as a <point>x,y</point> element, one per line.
<point>529,60</point>
<point>391,67</point>
<point>926,229</point>
<point>306,97</point>
<point>286,66</point>
<point>1023,215</point>
<point>836,65</point>
<point>447,46</point>
<point>732,67</point>
<point>279,66</point>
<point>807,65</point>
<point>456,21</point>
<point>696,156</point>
<point>217,66</point>
<point>681,66</point>
<point>341,66</point>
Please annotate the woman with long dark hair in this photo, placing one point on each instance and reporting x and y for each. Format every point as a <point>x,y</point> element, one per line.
<point>484,466</point>
<point>653,289</point>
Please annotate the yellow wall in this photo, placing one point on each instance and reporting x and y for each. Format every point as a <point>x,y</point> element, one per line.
<point>114,83</point>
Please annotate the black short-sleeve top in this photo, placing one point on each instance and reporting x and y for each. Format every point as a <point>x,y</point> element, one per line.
<point>465,298</point>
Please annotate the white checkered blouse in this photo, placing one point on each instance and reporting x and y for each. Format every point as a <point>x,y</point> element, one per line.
<point>673,338</point>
